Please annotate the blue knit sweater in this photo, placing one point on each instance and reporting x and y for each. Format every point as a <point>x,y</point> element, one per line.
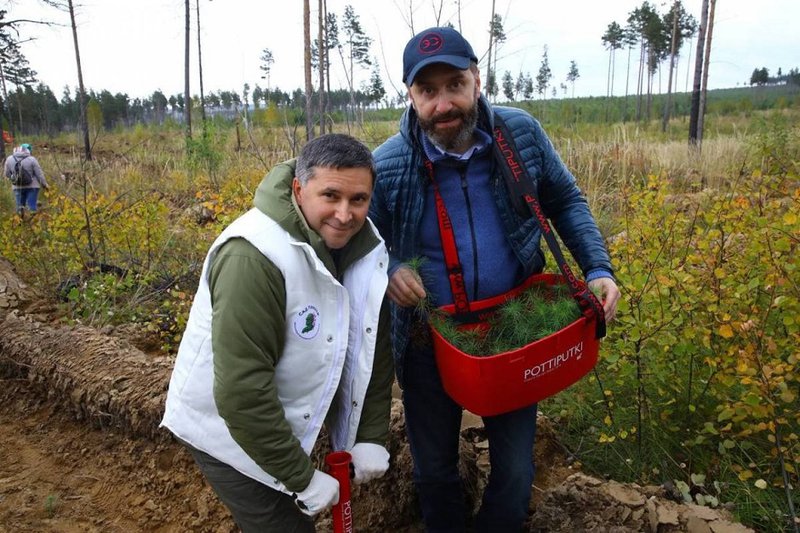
<point>465,186</point>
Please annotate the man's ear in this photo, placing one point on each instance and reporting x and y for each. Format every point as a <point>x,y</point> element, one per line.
<point>297,190</point>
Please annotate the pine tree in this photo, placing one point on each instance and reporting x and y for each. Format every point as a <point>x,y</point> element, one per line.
<point>267,60</point>
<point>374,90</point>
<point>544,76</point>
<point>187,95</point>
<point>519,85</point>
<point>497,37</point>
<point>573,75</point>
<point>14,70</point>
<point>307,69</point>
<point>694,136</point>
<point>508,86</point>
<point>613,39</point>
<point>354,49</point>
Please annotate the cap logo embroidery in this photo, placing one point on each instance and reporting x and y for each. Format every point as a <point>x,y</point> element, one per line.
<point>430,43</point>
<point>306,323</point>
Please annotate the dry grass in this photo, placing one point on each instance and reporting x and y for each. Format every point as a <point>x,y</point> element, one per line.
<point>603,168</point>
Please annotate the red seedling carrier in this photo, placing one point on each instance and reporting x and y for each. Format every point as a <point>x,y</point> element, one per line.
<point>499,383</point>
<point>495,384</point>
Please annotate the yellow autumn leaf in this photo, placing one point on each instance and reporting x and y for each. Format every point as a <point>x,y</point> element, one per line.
<point>726,331</point>
<point>761,484</point>
<point>744,475</point>
<point>606,438</point>
<point>790,218</point>
<point>607,420</point>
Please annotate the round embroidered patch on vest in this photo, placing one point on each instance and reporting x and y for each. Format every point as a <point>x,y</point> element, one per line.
<point>306,322</point>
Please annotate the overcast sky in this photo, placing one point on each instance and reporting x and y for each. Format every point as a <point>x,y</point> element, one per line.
<point>136,46</point>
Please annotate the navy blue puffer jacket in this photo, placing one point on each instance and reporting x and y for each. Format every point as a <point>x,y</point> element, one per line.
<point>400,191</point>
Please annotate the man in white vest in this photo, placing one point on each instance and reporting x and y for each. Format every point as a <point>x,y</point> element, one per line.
<point>287,331</point>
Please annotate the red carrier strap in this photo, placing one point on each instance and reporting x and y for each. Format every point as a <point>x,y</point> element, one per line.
<point>514,169</point>
<point>454,271</point>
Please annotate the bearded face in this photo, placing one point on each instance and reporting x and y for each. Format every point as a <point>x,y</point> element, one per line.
<point>453,129</point>
<point>446,101</point>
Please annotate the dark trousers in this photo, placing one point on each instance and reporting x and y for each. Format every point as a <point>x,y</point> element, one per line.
<point>433,423</point>
<point>255,507</point>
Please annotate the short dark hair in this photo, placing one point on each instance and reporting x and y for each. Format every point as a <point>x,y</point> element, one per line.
<point>333,150</point>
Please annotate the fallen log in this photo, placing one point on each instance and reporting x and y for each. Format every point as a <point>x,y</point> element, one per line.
<point>102,379</point>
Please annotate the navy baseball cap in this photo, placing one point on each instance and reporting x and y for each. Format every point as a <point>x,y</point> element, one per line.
<point>436,45</point>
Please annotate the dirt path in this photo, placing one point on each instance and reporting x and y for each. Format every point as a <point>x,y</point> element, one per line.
<point>56,474</point>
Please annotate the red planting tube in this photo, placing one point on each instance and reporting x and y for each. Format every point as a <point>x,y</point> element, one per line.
<point>339,467</point>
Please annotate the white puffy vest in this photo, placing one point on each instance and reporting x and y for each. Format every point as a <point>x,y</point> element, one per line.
<point>326,364</point>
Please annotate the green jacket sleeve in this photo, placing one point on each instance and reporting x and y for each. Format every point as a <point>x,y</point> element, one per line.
<point>374,424</point>
<point>248,297</point>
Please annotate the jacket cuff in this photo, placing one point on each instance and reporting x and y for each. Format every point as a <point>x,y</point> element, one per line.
<point>300,482</point>
<point>598,273</point>
<point>394,264</point>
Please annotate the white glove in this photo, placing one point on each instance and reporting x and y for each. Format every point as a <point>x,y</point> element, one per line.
<point>370,461</point>
<point>322,492</point>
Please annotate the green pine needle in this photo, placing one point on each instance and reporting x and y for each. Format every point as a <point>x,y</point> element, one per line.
<point>538,312</point>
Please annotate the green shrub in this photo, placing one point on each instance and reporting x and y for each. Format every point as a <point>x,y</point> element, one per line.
<point>700,371</point>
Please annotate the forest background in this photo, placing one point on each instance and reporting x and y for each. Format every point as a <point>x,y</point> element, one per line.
<point>696,193</point>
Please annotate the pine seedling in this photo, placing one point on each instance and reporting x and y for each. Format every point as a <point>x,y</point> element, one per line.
<point>556,310</point>
<point>424,307</point>
<point>444,325</point>
<point>468,340</point>
<point>510,326</point>
<point>473,341</point>
<point>539,311</point>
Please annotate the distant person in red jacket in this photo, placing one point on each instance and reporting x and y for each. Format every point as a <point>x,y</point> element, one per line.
<point>26,177</point>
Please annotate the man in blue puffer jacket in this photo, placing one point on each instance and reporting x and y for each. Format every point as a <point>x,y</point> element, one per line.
<point>449,125</point>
